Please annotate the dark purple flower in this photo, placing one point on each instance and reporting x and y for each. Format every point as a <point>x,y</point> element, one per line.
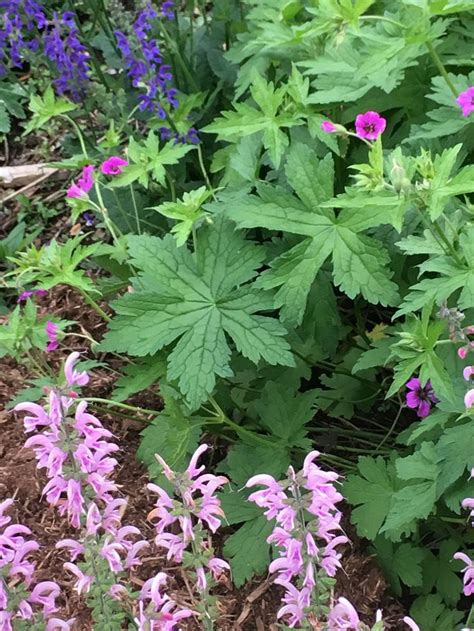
<point>420,398</point>
<point>167,9</point>
<point>69,55</point>
<point>89,219</point>
<point>19,20</point>
<point>144,63</point>
<point>370,125</point>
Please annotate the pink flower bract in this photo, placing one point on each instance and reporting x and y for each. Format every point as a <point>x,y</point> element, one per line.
<point>370,125</point>
<point>466,101</point>
<point>113,165</point>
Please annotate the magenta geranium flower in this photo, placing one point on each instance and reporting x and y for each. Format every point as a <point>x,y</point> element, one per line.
<point>52,333</point>
<point>328,127</point>
<point>370,125</point>
<point>466,101</point>
<point>113,165</point>
<point>420,398</point>
<point>84,184</point>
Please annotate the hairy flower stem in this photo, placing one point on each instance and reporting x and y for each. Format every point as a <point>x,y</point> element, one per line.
<point>439,236</point>
<point>439,64</point>
<point>125,406</point>
<point>184,65</point>
<point>101,207</point>
<point>204,172</point>
<point>92,303</point>
<point>135,209</point>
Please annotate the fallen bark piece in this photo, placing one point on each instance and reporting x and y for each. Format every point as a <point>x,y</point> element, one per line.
<point>23,174</point>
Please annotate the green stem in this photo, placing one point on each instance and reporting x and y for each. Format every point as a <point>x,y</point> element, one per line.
<point>122,210</point>
<point>391,429</point>
<point>440,237</point>
<point>439,64</point>
<point>225,420</point>
<point>204,171</point>
<point>183,64</point>
<point>135,208</point>
<point>450,247</point>
<point>382,18</point>
<point>92,303</point>
<point>125,406</point>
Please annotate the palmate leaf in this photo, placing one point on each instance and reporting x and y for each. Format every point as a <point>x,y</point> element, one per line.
<point>197,301</point>
<point>247,549</point>
<point>247,120</point>
<point>451,277</point>
<point>371,493</point>
<point>359,262</point>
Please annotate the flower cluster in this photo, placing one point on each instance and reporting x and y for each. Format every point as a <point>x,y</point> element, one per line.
<point>195,509</point>
<point>75,451</point>
<point>20,597</point>
<point>420,397</point>
<point>100,557</point>
<point>144,63</point>
<point>306,534</point>
<point>69,55</point>
<point>18,19</point>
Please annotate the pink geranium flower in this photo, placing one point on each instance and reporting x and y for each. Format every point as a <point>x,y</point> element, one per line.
<point>113,166</point>
<point>466,101</point>
<point>370,125</point>
<point>52,333</point>
<point>420,398</point>
<point>84,184</point>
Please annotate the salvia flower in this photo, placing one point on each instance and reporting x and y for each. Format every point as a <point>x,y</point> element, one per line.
<point>466,101</point>
<point>144,64</point>
<point>20,597</point>
<point>84,183</point>
<point>182,523</point>
<point>52,333</point>
<point>306,545</point>
<point>167,9</point>
<point>469,398</point>
<point>74,448</point>
<point>420,397</point>
<point>157,610</point>
<point>370,125</point>
<point>69,56</point>
<point>19,21</point>
<point>113,165</point>
<point>468,572</point>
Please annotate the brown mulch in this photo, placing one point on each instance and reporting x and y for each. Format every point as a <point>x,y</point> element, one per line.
<point>252,608</point>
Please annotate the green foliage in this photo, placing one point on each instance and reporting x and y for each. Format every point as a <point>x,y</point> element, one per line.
<point>197,299</point>
<point>45,108</point>
<point>276,284</point>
